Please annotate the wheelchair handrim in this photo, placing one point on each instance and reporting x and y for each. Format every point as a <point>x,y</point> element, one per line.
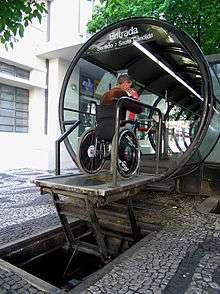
<point>134,154</point>
<point>86,156</point>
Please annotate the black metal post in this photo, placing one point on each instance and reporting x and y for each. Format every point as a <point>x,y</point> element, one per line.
<point>114,158</point>
<point>66,227</point>
<point>57,145</point>
<point>159,143</point>
<point>134,227</point>
<point>97,230</point>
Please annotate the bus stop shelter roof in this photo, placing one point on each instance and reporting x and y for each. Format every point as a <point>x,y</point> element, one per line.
<point>115,57</point>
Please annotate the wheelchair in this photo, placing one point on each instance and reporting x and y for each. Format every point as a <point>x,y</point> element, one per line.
<point>95,144</point>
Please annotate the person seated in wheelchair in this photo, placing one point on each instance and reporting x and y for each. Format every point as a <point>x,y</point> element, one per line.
<point>106,111</point>
<point>95,144</point>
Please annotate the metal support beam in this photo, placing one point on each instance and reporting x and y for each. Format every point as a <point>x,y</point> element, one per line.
<point>66,227</point>
<point>97,230</point>
<point>134,227</point>
<point>57,146</point>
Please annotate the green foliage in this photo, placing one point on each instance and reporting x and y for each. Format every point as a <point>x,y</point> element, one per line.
<point>114,10</point>
<point>15,15</point>
<point>200,18</point>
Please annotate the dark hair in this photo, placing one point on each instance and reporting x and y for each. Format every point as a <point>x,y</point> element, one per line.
<point>123,78</point>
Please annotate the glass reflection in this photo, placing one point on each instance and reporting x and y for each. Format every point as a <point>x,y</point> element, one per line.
<point>112,54</point>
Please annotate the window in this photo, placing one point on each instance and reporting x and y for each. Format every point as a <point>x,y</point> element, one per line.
<point>14,104</point>
<point>14,71</point>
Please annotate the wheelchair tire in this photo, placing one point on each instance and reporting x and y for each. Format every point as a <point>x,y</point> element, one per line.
<point>90,158</point>
<point>128,153</point>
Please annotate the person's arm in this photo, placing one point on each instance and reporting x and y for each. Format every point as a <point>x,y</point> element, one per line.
<point>132,107</point>
<point>134,94</point>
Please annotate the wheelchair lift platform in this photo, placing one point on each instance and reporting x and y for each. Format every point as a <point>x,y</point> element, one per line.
<point>97,188</point>
<point>88,197</point>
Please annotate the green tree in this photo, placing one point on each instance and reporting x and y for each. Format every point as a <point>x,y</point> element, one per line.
<point>15,15</point>
<point>200,18</point>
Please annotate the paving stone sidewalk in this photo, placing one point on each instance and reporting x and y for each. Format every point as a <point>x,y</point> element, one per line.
<point>182,258</point>
<point>23,212</point>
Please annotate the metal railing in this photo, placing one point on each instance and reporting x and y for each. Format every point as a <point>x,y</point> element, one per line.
<point>114,158</point>
<point>74,124</point>
<point>58,142</point>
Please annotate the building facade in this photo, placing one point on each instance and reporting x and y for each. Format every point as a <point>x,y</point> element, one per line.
<point>31,77</point>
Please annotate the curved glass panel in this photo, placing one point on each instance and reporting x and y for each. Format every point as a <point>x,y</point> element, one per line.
<point>215,73</point>
<point>212,133</point>
<point>168,71</point>
<point>216,81</point>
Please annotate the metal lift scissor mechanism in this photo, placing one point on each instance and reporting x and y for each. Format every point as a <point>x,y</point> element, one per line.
<point>87,198</point>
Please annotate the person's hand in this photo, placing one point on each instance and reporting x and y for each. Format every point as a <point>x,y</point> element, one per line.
<point>133,93</point>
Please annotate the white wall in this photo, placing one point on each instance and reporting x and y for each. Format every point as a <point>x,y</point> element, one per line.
<point>85,14</point>
<point>25,50</point>
<point>27,150</point>
<point>24,150</point>
<point>20,150</point>
<point>57,71</point>
<point>68,19</point>
<point>35,149</point>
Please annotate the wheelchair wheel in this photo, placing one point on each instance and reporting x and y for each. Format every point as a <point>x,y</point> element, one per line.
<point>91,153</point>
<point>128,153</point>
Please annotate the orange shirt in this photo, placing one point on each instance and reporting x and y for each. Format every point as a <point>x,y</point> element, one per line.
<point>115,92</point>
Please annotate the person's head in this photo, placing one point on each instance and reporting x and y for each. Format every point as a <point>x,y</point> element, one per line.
<point>124,82</point>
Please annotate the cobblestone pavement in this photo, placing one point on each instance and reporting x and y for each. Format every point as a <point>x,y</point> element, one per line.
<point>182,258</point>
<point>13,282</point>
<point>23,211</point>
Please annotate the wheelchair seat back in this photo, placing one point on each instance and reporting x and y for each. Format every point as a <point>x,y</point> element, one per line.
<point>105,118</point>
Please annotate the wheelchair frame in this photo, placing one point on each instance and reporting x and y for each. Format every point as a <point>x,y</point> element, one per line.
<point>93,152</point>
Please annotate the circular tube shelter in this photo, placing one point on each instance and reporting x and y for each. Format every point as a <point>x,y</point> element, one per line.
<point>168,70</point>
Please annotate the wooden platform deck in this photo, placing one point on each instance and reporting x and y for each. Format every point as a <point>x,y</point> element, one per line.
<point>99,188</point>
